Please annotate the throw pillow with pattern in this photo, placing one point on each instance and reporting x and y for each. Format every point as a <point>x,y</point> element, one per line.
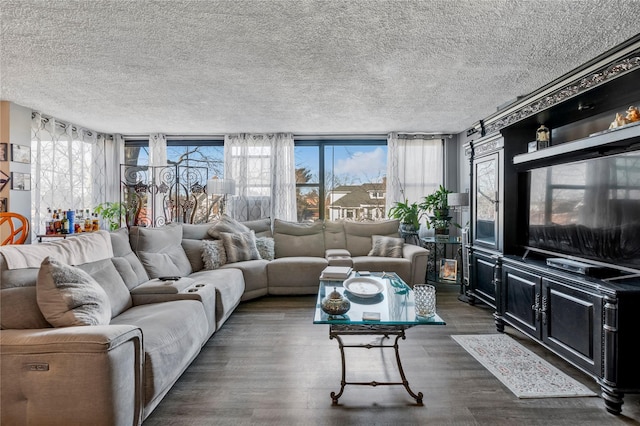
<point>386,246</point>
<point>240,246</point>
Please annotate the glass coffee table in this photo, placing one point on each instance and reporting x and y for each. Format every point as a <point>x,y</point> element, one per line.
<point>393,304</point>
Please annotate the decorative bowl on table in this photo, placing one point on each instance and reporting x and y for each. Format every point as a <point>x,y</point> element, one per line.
<point>335,303</point>
<point>364,287</point>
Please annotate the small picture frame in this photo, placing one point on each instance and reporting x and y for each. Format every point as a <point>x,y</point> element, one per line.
<point>4,151</point>
<point>448,269</point>
<point>3,204</point>
<point>20,181</point>
<point>532,146</point>
<point>20,153</point>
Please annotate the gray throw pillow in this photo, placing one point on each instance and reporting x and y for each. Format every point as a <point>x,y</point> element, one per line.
<point>386,246</point>
<point>213,254</point>
<point>226,224</point>
<point>68,296</point>
<point>240,246</point>
<point>266,247</point>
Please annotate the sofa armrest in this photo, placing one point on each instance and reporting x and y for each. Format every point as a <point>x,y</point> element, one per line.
<point>418,256</point>
<point>75,375</point>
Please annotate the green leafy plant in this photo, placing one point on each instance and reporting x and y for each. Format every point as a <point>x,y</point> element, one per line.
<point>408,214</point>
<point>436,206</point>
<point>111,213</point>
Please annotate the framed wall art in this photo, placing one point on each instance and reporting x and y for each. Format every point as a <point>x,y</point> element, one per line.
<point>4,151</point>
<point>20,153</point>
<point>3,205</point>
<point>4,179</point>
<point>20,181</point>
<point>448,269</point>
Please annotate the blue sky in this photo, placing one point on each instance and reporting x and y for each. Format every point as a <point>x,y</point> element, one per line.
<point>354,164</point>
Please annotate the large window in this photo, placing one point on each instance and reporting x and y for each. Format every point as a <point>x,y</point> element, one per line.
<point>340,179</point>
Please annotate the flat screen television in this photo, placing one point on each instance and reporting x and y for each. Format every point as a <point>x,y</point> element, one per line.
<point>588,210</point>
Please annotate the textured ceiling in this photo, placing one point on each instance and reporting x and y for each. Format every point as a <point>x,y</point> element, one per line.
<point>353,66</point>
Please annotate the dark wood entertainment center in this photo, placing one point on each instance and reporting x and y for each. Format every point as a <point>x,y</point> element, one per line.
<point>591,321</point>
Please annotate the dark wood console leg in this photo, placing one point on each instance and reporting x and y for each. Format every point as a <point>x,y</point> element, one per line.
<point>612,400</point>
<point>499,323</point>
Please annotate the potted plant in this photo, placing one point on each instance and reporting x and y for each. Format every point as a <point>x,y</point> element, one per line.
<point>111,213</point>
<point>409,215</point>
<point>436,206</point>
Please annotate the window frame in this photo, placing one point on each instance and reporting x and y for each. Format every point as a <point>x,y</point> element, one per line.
<point>322,144</point>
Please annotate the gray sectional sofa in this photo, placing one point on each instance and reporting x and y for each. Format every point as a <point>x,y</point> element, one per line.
<point>113,355</point>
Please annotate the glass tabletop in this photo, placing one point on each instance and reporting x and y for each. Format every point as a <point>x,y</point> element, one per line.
<point>394,304</point>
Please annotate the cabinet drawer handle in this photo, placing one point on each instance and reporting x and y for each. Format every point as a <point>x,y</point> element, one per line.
<point>536,307</point>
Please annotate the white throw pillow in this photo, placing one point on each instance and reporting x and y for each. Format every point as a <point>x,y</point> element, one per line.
<point>266,247</point>
<point>68,296</point>
<point>386,246</point>
<point>213,254</point>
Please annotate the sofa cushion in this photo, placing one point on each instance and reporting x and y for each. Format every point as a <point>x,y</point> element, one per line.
<point>126,262</point>
<point>230,286</point>
<point>173,335</point>
<point>106,274</point>
<point>213,254</point>
<point>386,246</point>
<point>160,250</point>
<point>266,247</point>
<point>20,309</point>
<point>298,239</point>
<point>226,224</point>
<point>240,246</point>
<point>295,275</point>
<point>262,227</point>
<point>68,296</point>
<point>334,237</point>
<point>358,234</point>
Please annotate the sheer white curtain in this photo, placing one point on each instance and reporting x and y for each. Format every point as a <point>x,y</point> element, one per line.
<point>157,160</point>
<point>72,168</point>
<point>263,168</point>
<point>415,167</point>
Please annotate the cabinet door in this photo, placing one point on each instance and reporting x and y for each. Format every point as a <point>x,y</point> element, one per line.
<point>482,284</point>
<point>572,324</point>
<point>522,300</point>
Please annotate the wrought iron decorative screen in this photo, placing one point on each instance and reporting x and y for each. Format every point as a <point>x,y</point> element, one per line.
<point>157,195</point>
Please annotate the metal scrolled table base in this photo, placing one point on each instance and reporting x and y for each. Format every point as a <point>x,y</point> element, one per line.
<point>335,331</point>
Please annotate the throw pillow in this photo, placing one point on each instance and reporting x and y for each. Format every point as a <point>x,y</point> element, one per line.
<point>386,246</point>
<point>240,246</point>
<point>213,254</point>
<point>266,247</point>
<point>68,296</point>
<point>226,224</point>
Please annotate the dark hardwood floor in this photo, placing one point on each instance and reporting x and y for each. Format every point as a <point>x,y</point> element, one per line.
<point>271,365</point>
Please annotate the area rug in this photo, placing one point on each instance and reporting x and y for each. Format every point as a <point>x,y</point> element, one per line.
<point>519,369</point>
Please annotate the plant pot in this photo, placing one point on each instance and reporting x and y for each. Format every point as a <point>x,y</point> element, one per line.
<point>407,229</point>
<point>442,234</point>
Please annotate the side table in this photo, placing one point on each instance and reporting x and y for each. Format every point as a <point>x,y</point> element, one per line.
<point>437,251</point>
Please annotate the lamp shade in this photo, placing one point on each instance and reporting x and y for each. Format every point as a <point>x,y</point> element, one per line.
<point>456,199</point>
<point>221,186</point>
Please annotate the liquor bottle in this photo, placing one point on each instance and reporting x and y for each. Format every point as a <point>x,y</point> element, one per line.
<point>57,223</point>
<point>65,223</point>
